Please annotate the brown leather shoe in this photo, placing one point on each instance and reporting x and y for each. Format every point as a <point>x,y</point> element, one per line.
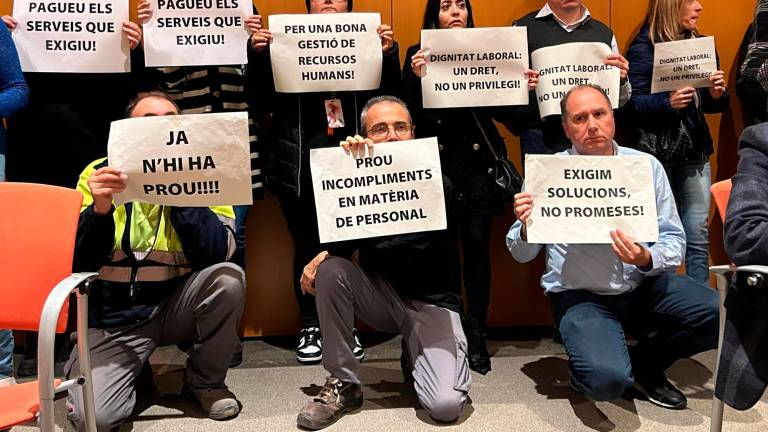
<point>334,400</point>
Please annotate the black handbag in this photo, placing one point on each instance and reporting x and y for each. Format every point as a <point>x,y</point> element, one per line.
<point>505,174</point>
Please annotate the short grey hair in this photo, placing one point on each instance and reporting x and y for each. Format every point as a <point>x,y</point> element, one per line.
<point>564,101</point>
<point>379,99</point>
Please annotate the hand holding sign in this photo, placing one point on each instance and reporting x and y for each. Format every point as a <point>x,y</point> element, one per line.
<point>618,61</point>
<point>419,63</point>
<point>356,146</point>
<point>10,22</point>
<point>628,251</point>
<point>261,37</point>
<point>132,32</point>
<point>718,84</point>
<point>144,11</point>
<point>680,99</point>
<point>387,36</point>
<point>523,210</point>
<point>104,183</point>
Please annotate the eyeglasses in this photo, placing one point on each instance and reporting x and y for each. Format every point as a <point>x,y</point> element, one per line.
<point>379,130</point>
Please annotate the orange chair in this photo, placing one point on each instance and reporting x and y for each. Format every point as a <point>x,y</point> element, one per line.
<point>721,192</point>
<point>37,241</point>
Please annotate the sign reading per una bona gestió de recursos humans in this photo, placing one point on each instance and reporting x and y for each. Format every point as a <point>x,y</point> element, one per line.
<point>580,199</point>
<point>325,52</point>
<point>194,160</point>
<point>71,36</point>
<point>396,190</point>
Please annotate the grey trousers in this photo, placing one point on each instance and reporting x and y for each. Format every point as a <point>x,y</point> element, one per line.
<point>206,309</point>
<point>434,336</point>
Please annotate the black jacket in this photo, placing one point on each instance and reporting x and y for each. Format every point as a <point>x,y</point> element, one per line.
<point>68,120</point>
<point>464,154</point>
<point>668,134</point>
<point>743,369</point>
<point>754,105</point>
<point>299,121</point>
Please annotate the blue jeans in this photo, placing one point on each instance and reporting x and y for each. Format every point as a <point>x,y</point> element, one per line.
<point>680,315</point>
<point>6,353</point>
<point>241,215</point>
<point>690,185</point>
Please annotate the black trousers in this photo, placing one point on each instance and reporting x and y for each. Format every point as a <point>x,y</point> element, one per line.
<point>301,217</point>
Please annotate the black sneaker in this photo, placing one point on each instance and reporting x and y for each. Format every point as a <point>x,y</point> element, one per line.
<point>310,349</point>
<point>334,400</point>
<point>358,350</point>
<point>660,392</point>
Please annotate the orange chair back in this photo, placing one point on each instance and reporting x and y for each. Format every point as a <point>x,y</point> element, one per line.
<point>721,191</point>
<point>38,224</point>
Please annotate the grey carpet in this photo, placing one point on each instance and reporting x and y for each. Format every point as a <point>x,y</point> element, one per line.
<point>526,391</point>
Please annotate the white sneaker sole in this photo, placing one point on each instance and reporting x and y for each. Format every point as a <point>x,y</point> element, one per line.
<point>308,360</point>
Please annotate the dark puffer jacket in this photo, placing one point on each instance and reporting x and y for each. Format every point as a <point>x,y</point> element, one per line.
<point>671,135</point>
<point>299,120</point>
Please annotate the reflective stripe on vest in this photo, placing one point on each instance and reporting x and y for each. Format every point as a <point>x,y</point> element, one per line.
<point>144,274</point>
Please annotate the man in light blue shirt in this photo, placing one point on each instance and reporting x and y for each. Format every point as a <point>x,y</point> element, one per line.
<point>598,291</point>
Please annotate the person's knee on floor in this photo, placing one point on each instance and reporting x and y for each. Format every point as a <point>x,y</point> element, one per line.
<point>445,407</point>
<point>604,383</point>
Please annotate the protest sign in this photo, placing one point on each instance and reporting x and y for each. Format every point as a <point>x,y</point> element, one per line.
<point>580,199</point>
<point>193,160</point>
<point>72,36</point>
<point>475,67</point>
<point>397,190</point>
<point>325,52</point>
<point>563,67</point>
<point>684,63</point>
<point>197,33</point>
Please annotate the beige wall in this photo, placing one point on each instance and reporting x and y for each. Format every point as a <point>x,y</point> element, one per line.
<point>516,298</point>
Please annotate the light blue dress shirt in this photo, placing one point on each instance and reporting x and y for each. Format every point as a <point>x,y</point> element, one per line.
<point>595,267</point>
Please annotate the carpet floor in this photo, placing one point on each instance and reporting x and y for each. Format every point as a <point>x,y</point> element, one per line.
<point>527,390</point>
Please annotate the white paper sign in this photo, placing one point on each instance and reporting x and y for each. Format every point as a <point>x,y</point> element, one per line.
<point>399,190</point>
<point>685,63</point>
<point>563,67</point>
<point>194,160</point>
<point>197,33</point>
<point>72,36</point>
<point>475,67</point>
<point>580,199</point>
<point>325,52</point>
